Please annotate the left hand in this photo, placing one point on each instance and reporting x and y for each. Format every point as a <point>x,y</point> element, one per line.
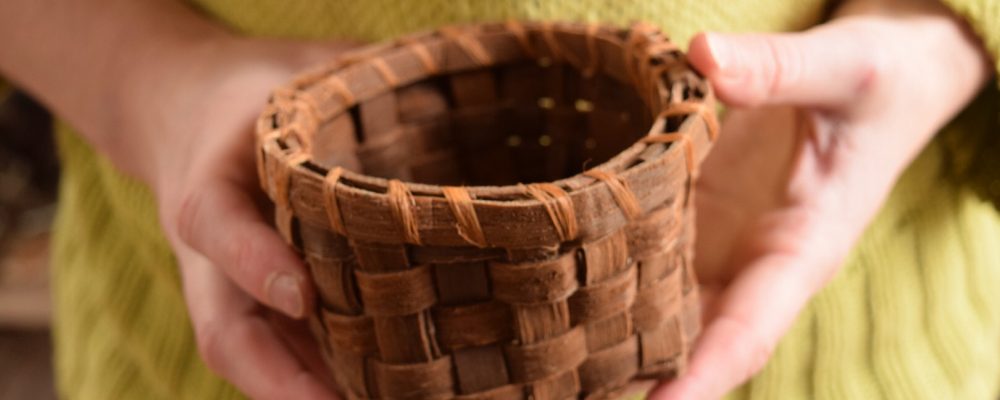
<point>821,125</point>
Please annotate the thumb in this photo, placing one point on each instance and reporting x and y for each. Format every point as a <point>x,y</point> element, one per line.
<point>829,66</point>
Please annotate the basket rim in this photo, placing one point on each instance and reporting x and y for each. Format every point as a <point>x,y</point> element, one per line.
<point>283,152</point>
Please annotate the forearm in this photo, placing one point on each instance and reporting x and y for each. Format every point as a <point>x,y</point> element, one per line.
<point>80,57</point>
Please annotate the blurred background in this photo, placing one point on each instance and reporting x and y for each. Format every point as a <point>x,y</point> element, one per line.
<point>28,180</point>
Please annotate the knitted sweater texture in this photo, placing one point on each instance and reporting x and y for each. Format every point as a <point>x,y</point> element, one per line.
<point>914,314</point>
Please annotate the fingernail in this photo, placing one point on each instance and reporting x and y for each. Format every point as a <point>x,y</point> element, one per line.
<point>722,54</point>
<point>284,291</point>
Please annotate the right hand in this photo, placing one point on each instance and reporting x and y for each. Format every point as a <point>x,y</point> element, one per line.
<point>193,134</point>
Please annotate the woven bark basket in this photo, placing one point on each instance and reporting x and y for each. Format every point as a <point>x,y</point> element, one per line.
<point>495,211</point>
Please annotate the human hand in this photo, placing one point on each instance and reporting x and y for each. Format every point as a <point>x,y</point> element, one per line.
<point>169,96</point>
<point>821,125</point>
<point>194,145</point>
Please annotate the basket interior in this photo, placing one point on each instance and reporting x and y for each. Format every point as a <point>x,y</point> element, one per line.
<point>532,120</point>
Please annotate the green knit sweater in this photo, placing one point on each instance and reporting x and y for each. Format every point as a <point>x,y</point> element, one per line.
<point>911,316</point>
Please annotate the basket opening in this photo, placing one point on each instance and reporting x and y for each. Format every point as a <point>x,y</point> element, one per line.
<point>522,122</point>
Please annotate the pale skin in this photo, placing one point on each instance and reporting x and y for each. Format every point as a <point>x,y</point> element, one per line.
<point>821,124</point>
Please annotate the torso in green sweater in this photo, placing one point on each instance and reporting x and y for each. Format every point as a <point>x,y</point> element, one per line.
<point>911,316</point>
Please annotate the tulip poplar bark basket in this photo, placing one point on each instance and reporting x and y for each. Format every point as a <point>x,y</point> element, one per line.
<point>495,211</point>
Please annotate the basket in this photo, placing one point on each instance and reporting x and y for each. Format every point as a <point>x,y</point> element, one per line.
<point>495,211</point>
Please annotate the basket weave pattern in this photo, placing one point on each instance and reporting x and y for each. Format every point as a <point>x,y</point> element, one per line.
<point>556,288</point>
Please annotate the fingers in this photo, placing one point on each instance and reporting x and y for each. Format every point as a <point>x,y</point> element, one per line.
<point>740,338</point>
<point>298,337</point>
<point>745,324</point>
<point>829,66</point>
<point>237,342</point>
<point>221,222</point>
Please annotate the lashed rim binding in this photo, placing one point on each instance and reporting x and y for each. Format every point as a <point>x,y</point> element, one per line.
<point>285,129</point>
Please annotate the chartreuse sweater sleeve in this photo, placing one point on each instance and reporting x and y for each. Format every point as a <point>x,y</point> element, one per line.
<point>983,16</point>
<point>982,167</point>
<point>914,314</point>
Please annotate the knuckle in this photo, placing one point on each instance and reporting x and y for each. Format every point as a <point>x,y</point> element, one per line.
<point>755,348</point>
<point>874,63</point>
<point>760,352</point>
<point>239,253</point>
<point>873,68</point>
<point>209,337</point>
<point>699,382</point>
<point>212,338</point>
<point>187,216</point>
<point>783,67</point>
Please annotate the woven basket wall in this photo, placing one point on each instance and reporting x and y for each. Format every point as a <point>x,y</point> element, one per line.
<point>495,211</point>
